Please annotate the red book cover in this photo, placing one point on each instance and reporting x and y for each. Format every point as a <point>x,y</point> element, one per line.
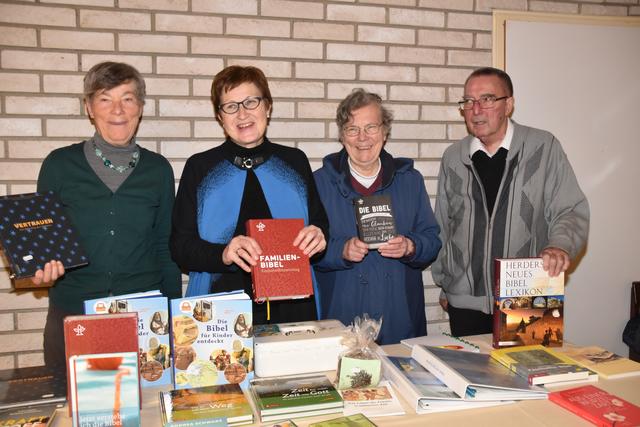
<point>597,406</point>
<point>98,334</point>
<point>283,271</point>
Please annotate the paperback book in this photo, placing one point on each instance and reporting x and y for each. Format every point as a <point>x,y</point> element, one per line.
<point>379,401</point>
<point>475,376</point>
<point>529,304</point>
<point>605,363</point>
<point>374,218</point>
<point>292,397</point>
<point>225,404</point>
<point>212,338</point>
<point>283,271</point>
<point>154,344</point>
<point>36,385</point>
<point>356,420</point>
<point>35,229</point>
<point>29,416</point>
<point>540,365</point>
<point>105,390</point>
<point>597,406</point>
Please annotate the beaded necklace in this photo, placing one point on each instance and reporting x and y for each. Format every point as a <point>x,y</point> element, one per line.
<point>120,169</point>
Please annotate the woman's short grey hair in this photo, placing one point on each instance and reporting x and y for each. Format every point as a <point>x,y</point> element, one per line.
<point>357,99</point>
<point>107,75</point>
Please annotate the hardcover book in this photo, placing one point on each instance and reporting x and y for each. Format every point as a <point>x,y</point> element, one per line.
<point>379,401</point>
<point>35,229</point>
<point>374,218</point>
<point>153,331</point>
<point>32,386</point>
<point>597,406</point>
<point>283,271</point>
<point>291,397</point>
<point>529,304</point>
<point>356,420</point>
<point>105,390</point>
<point>475,376</point>
<point>605,363</point>
<point>200,406</point>
<point>29,416</point>
<point>540,365</point>
<point>212,338</point>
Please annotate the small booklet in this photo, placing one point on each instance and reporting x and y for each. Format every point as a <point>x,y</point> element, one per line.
<point>380,401</point>
<point>374,218</point>
<point>607,364</point>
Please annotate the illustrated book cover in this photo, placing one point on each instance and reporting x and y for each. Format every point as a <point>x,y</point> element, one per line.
<point>283,271</point>
<point>153,331</point>
<point>374,218</point>
<point>29,416</point>
<point>205,406</point>
<point>355,420</point>
<point>379,401</point>
<point>212,338</point>
<point>597,406</point>
<point>607,364</point>
<point>291,397</point>
<point>443,340</point>
<point>529,304</point>
<point>32,386</point>
<point>541,365</point>
<point>35,229</point>
<point>475,376</point>
<point>105,390</point>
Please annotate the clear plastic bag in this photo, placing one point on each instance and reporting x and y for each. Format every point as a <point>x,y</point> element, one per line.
<point>359,365</point>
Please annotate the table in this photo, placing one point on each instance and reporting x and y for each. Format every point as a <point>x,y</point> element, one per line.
<point>526,413</point>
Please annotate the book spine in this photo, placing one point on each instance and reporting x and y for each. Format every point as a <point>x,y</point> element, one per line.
<point>440,370</point>
<point>497,314</point>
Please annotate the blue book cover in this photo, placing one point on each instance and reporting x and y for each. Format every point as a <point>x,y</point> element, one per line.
<point>153,331</point>
<point>212,338</point>
<point>105,390</point>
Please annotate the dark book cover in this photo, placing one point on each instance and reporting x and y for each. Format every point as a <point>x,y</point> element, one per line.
<point>283,271</point>
<point>529,304</point>
<point>32,386</point>
<point>35,229</point>
<point>29,416</point>
<point>597,406</point>
<point>374,218</point>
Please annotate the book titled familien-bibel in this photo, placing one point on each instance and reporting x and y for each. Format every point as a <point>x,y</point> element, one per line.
<point>283,271</point>
<point>35,229</point>
<point>529,304</point>
<point>374,218</point>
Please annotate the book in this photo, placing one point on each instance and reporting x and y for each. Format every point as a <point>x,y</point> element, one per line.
<point>99,334</point>
<point>443,340</point>
<point>283,271</point>
<point>426,393</point>
<point>35,229</point>
<point>212,339</point>
<point>475,376</point>
<point>597,406</point>
<point>153,331</point>
<point>205,406</point>
<point>380,401</point>
<point>355,420</point>
<point>529,304</point>
<point>605,363</point>
<point>29,416</point>
<point>540,365</point>
<point>374,219</point>
<point>35,385</point>
<point>105,390</point>
<point>291,397</point>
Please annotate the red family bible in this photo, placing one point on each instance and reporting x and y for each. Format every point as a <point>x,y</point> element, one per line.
<point>98,334</point>
<point>283,271</point>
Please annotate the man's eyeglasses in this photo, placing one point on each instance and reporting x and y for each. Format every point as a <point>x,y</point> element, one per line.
<point>249,103</point>
<point>370,129</point>
<point>484,102</point>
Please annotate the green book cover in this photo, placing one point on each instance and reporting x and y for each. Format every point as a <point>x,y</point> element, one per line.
<point>356,420</point>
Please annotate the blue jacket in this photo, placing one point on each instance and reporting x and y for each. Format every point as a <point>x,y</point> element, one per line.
<point>391,288</point>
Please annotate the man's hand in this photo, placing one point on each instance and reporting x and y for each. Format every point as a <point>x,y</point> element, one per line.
<point>554,261</point>
<point>398,247</point>
<point>52,271</point>
<point>310,240</point>
<point>355,250</point>
<point>444,303</point>
<point>243,251</point>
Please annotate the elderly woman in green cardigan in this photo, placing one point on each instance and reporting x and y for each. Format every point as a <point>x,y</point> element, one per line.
<point>119,196</point>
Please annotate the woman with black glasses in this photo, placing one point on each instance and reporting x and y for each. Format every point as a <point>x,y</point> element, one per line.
<point>247,177</point>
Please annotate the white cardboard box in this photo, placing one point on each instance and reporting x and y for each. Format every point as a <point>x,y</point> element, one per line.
<point>297,348</point>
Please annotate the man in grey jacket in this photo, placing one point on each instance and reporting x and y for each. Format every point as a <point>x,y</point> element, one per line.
<point>506,190</point>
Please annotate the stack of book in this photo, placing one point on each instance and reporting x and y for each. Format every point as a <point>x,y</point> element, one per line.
<point>292,397</point>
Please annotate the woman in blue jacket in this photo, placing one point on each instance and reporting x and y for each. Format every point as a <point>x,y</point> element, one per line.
<point>353,279</point>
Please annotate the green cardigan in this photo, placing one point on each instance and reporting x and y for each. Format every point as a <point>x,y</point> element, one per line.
<point>125,233</point>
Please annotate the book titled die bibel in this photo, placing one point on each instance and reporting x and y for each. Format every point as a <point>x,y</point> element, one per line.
<point>374,218</point>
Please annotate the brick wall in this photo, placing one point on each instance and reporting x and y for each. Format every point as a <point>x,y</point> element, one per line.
<point>414,53</point>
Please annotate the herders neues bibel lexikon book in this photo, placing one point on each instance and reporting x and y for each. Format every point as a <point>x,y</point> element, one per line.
<point>35,229</point>
<point>374,218</point>
<point>529,304</point>
<point>283,271</point>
